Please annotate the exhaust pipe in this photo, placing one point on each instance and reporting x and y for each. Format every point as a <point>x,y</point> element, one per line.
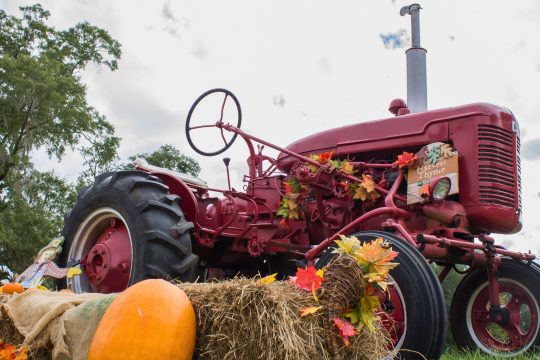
<point>416,63</point>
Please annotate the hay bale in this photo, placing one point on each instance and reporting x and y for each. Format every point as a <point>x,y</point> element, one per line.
<point>243,319</point>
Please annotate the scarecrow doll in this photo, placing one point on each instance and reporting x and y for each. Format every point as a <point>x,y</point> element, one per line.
<point>44,265</point>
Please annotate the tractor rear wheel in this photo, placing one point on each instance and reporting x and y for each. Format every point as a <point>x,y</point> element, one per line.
<point>124,228</point>
<point>416,311</point>
<point>519,294</point>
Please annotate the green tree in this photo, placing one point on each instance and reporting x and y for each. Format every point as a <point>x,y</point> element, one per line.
<point>43,106</point>
<point>42,97</point>
<point>167,156</point>
<point>32,216</point>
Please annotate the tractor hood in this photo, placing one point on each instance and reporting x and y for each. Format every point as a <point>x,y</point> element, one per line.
<point>400,132</point>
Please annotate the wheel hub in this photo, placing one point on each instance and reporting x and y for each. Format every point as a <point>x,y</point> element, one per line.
<point>108,262</point>
<point>510,327</point>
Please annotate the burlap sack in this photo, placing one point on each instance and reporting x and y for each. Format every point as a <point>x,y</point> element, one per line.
<point>64,321</point>
<point>72,336</point>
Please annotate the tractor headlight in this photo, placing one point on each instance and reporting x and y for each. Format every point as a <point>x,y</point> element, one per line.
<point>439,188</point>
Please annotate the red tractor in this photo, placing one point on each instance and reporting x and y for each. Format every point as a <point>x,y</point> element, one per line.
<point>433,184</point>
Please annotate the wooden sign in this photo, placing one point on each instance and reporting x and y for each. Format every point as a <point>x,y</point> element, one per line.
<point>434,160</point>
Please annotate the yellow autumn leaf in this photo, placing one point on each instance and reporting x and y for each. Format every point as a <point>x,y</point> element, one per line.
<point>309,310</point>
<point>374,277</point>
<point>268,279</point>
<point>368,183</point>
<point>368,305</point>
<point>320,272</point>
<point>348,245</point>
<point>290,203</point>
<point>353,316</point>
<point>360,193</point>
<point>347,167</point>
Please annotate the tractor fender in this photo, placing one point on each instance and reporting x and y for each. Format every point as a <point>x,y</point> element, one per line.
<point>189,204</point>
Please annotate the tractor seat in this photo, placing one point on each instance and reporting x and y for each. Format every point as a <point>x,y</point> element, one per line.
<point>141,164</point>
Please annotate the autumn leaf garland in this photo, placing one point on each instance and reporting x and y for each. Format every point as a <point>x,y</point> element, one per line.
<point>375,258</point>
<point>326,159</point>
<point>365,190</point>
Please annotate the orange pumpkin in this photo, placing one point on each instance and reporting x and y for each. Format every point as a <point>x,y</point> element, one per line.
<point>152,319</point>
<point>12,288</point>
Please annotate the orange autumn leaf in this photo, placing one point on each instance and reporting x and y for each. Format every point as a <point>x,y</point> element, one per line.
<point>324,158</point>
<point>292,186</point>
<point>309,310</point>
<point>405,159</point>
<point>345,329</point>
<point>11,352</point>
<point>309,279</point>
<point>375,257</point>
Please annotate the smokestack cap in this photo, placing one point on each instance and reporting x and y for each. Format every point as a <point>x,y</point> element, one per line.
<point>396,105</point>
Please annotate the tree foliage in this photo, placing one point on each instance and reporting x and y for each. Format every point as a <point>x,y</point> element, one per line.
<point>167,156</point>
<point>42,98</point>
<point>43,106</point>
<point>32,216</point>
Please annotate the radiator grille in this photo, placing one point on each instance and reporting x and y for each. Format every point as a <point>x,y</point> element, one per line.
<point>518,159</point>
<point>496,161</point>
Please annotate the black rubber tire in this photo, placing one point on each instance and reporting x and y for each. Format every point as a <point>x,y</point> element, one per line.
<point>526,275</point>
<point>422,294</point>
<point>160,234</point>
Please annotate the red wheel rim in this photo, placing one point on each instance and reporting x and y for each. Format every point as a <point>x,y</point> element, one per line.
<point>103,244</point>
<point>519,334</point>
<point>394,319</point>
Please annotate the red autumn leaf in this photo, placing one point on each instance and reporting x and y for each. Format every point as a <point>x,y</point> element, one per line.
<point>345,329</point>
<point>383,183</point>
<point>405,159</point>
<point>288,188</point>
<point>325,157</point>
<point>307,279</point>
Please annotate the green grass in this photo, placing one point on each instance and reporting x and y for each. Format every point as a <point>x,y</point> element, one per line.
<point>452,353</point>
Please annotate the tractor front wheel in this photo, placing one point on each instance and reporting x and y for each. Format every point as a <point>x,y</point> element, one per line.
<point>124,228</point>
<point>519,294</point>
<point>415,314</point>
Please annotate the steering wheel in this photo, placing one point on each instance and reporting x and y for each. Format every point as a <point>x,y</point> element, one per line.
<point>226,95</point>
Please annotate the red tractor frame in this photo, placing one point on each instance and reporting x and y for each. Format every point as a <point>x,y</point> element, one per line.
<point>131,225</point>
<point>153,222</point>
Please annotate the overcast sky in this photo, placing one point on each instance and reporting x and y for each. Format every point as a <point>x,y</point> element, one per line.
<point>299,67</point>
